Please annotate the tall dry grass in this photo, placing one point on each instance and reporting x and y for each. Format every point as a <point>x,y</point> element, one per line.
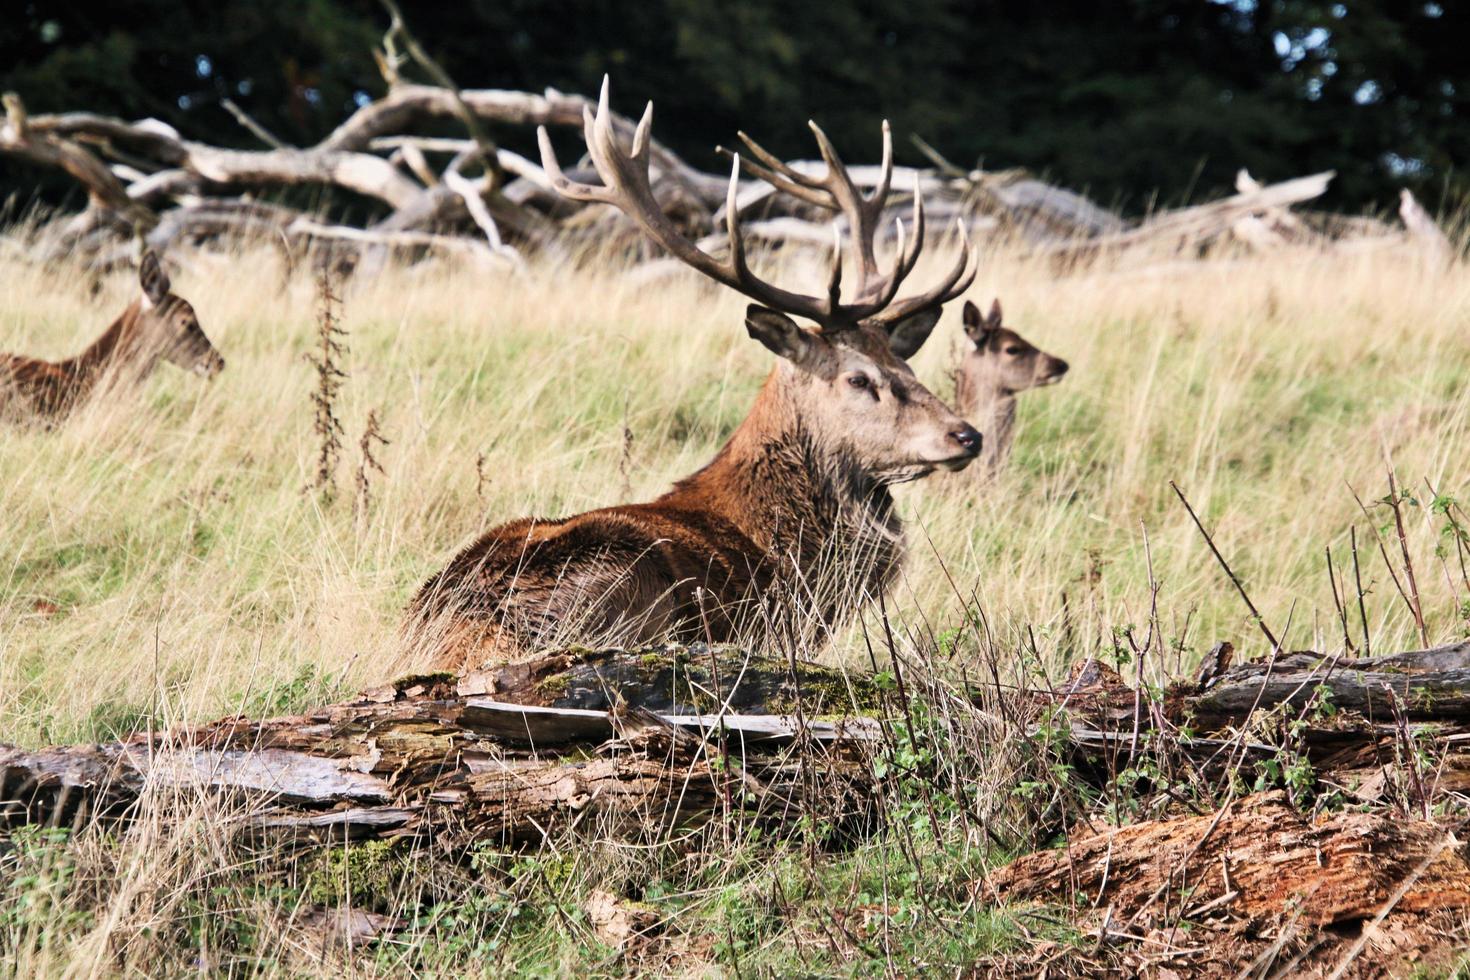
<point>164,554</point>
<point>167,557</point>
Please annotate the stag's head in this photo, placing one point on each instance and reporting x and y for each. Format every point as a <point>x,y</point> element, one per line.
<point>845,376</point>
<point>857,398</point>
<point>167,325</point>
<point>1002,360</point>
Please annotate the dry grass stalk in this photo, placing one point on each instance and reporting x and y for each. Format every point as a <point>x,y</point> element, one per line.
<point>367,463</point>
<point>326,359</point>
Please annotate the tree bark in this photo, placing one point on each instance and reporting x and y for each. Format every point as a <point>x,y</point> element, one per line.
<point>437,757</point>
<point>1429,685</point>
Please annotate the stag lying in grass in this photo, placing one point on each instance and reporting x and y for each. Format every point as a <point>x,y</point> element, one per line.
<point>1001,365</point>
<point>791,527</point>
<point>158,326</point>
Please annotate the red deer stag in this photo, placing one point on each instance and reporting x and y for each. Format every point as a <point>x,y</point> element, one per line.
<point>790,528</point>
<point>1001,365</point>
<point>158,326</point>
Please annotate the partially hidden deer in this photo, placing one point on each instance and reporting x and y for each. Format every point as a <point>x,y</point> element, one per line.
<point>157,326</point>
<point>999,366</point>
<point>791,527</point>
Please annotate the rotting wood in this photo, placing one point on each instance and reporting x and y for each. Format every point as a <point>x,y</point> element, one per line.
<point>1255,874</point>
<point>1335,712</point>
<point>1336,869</point>
<point>622,739</point>
<point>1430,685</point>
<point>424,758</point>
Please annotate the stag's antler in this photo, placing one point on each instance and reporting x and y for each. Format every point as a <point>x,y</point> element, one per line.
<point>625,185</point>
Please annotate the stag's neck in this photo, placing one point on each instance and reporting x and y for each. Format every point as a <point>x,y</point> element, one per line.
<point>991,409</point>
<point>794,499</point>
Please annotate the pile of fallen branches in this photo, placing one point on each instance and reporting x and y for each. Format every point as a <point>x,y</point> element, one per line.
<point>466,196</point>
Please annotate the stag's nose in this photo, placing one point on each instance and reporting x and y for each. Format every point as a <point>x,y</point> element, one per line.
<point>1059,367</point>
<point>968,438</point>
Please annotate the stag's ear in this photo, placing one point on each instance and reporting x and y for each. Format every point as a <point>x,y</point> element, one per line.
<point>909,334</point>
<point>153,278</point>
<point>781,336</point>
<point>977,328</point>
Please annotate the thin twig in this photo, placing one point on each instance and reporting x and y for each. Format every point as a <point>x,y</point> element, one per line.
<point>250,123</point>
<point>1260,620</point>
<point>1396,504</point>
<point>1338,604</point>
<point>1358,582</point>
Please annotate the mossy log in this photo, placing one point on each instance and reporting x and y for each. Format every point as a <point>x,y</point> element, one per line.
<point>508,756</point>
<point>1350,717</point>
<point>1427,685</point>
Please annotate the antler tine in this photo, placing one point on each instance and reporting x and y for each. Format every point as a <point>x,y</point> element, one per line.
<point>834,275</point>
<point>602,143</point>
<point>885,179</point>
<point>563,184</point>
<point>784,179</point>
<point>779,166</point>
<point>732,223</point>
<point>956,282</point>
<point>774,162</point>
<point>902,266</point>
<point>643,136</point>
<point>862,213</point>
<point>887,287</point>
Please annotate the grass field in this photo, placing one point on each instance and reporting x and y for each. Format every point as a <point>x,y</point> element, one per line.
<point>164,561</point>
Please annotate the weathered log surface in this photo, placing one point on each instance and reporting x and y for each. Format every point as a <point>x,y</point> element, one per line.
<point>1428,685</point>
<point>1351,719</point>
<point>674,680</point>
<point>439,756</point>
<point>623,741</point>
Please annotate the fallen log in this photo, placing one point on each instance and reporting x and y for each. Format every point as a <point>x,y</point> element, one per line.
<point>1390,728</point>
<point>1190,229</point>
<point>437,757</point>
<point>1428,685</point>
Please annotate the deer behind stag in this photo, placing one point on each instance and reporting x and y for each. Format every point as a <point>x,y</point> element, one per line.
<point>157,326</point>
<point>1001,365</point>
<point>791,527</point>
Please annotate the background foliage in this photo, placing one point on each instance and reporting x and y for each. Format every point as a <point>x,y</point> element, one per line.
<point>1127,98</point>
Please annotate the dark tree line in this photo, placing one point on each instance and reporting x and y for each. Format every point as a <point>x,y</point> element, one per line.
<point>1126,99</point>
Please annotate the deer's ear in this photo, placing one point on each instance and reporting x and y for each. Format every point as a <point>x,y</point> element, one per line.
<point>909,334</point>
<point>993,320</point>
<point>976,326</point>
<point>782,337</point>
<point>153,278</point>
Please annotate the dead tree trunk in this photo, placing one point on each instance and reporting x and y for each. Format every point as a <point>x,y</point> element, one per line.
<point>439,757</point>
<point>1426,685</point>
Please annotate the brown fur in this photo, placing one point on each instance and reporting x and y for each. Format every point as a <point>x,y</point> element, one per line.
<point>158,326</point>
<point>782,536</point>
<point>999,366</point>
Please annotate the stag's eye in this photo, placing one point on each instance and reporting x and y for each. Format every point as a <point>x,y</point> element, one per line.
<point>859,381</point>
<point>1013,350</point>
